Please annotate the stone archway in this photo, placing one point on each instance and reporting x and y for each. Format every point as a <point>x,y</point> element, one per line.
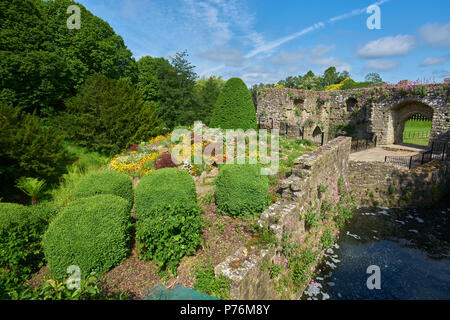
<point>405,111</point>
<point>317,135</point>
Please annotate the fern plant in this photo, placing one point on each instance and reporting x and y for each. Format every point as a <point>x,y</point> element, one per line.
<point>32,187</point>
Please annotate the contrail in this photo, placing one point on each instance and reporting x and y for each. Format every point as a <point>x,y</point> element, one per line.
<point>274,44</point>
<point>277,43</point>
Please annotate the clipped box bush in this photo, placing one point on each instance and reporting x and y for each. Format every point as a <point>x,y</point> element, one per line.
<point>241,190</point>
<point>105,182</point>
<point>161,187</point>
<point>21,255</point>
<point>234,108</point>
<point>91,233</point>
<point>171,232</point>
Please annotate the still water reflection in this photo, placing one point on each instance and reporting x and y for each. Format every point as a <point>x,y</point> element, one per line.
<point>410,246</point>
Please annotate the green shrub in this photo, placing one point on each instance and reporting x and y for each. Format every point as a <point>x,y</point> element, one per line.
<point>234,107</point>
<point>169,233</point>
<point>105,182</point>
<point>161,187</point>
<point>21,255</point>
<point>241,190</point>
<point>91,233</point>
<point>27,149</point>
<point>108,115</point>
<point>207,282</point>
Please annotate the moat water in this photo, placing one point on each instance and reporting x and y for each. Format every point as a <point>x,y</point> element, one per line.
<point>411,247</point>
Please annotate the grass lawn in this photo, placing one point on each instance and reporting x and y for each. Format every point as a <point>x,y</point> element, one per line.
<point>417,127</point>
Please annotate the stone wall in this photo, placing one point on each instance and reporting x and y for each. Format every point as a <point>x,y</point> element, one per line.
<point>299,192</point>
<point>362,113</point>
<point>383,184</point>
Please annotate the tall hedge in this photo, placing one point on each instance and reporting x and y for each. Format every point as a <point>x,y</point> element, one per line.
<point>91,233</point>
<point>234,107</point>
<point>105,182</point>
<point>241,190</point>
<point>163,187</point>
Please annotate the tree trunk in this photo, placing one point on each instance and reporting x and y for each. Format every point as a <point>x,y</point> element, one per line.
<point>33,201</point>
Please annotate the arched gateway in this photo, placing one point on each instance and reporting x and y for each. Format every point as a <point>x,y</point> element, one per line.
<point>406,111</point>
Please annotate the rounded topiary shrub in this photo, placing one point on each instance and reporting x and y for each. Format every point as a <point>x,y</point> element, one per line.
<point>91,233</point>
<point>162,187</point>
<point>105,182</point>
<point>234,107</point>
<point>21,229</point>
<point>241,190</point>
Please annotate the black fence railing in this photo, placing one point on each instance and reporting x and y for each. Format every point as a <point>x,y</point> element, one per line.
<point>363,144</point>
<point>439,151</point>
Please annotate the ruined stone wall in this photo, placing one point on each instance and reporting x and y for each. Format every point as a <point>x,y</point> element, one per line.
<point>384,184</point>
<point>362,113</point>
<point>300,191</point>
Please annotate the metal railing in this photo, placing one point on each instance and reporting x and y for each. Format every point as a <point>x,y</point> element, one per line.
<point>439,151</point>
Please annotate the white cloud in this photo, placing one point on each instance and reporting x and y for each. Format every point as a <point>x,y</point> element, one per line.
<point>436,34</point>
<point>317,57</point>
<point>432,61</point>
<point>228,56</point>
<point>288,58</point>
<point>387,47</point>
<point>381,65</point>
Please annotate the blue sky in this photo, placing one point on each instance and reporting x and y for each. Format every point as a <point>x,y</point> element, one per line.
<point>265,41</point>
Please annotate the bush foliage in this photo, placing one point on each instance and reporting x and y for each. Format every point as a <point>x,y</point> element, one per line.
<point>21,255</point>
<point>27,149</point>
<point>162,187</point>
<point>169,233</point>
<point>234,107</point>
<point>241,190</point>
<point>107,116</point>
<point>91,233</point>
<point>105,182</point>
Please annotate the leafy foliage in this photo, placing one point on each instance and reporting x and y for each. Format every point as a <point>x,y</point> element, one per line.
<point>170,85</point>
<point>163,187</point>
<point>21,255</point>
<point>27,149</point>
<point>105,182</point>
<point>90,289</point>
<point>99,241</point>
<point>164,161</point>
<point>42,62</point>
<point>234,107</point>
<point>107,116</point>
<point>207,91</point>
<point>170,232</point>
<point>241,190</point>
<point>32,187</point>
<point>207,282</point>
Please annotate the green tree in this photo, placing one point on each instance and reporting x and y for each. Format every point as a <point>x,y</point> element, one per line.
<point>42,62</point>
<point>27,149</point>
<point>207,90</point>
<point>374,78</point>
<point>108,115</point>
<point>234,108</point>
<point>171,86</point>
